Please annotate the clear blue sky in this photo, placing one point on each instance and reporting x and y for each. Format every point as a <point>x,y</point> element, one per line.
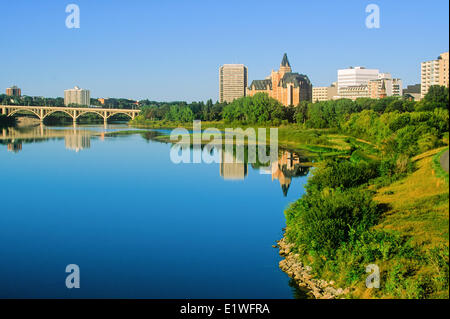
<point>172,50</point>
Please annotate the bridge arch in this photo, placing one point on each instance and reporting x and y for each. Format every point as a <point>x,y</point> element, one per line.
<point>12,113</point>
<point>56,111</point>
<point>91,112</point>
<point>124,113</point>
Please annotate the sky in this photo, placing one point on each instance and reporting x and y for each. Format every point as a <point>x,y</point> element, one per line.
<point>171,50</point>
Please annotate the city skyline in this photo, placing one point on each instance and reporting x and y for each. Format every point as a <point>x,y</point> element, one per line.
<point>135,51</point>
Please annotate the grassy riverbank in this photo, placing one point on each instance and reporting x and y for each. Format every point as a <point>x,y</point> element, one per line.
<point>400,226</point>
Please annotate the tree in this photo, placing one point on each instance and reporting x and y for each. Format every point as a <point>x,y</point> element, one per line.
<point>437,97</point>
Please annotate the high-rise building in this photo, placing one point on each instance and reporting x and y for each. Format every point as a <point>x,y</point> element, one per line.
<point>434,72</point>
<point>232,82</point>
<point>77,96</point>
<point>14,91</point>
<point>283,85</point>
<point>324,93</point>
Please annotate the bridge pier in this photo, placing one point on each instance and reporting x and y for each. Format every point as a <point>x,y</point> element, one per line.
<point>4,111</point>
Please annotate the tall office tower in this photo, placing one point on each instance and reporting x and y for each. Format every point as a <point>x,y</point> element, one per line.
<point>232,82</point>
<point>434,72</point>
<point>77,96</point>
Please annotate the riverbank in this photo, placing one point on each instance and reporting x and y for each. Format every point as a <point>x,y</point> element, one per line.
<point>303,274</point>
<point>408,240</point>
<point>311,142</point>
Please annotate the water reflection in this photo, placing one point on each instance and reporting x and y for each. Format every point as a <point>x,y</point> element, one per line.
<point>14,147</point>
<point>288,166</point>
<point>160,230</point>
<point>232,170</point>
<point>77,142</point>
<point>75,139</point>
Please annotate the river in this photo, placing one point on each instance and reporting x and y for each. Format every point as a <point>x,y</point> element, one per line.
<point>137,224</point>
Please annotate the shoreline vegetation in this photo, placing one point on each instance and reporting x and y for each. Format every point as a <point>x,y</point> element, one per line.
<point>377,196</point>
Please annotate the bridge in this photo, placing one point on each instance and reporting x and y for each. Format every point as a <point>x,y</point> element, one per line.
<point>74,112</point>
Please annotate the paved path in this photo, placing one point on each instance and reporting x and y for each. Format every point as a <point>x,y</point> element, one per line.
<point>444,161</point>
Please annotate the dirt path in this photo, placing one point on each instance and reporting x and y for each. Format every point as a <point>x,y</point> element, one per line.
<point>444,161</point>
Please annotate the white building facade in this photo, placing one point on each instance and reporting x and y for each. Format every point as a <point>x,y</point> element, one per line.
<point>77,96</point>
<point>356,76</point>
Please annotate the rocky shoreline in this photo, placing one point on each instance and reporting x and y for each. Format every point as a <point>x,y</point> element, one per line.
<point>302,274</point>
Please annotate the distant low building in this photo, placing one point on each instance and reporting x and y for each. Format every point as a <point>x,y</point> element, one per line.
<point>324,93</point>
<point>354,92</point>
<point>77,96</point>
<point>14,91</point>
<point>102,101</point>
<point>412,92</point>
<point>283,85</point>
<point>360,82</point>
<point>385,86</point>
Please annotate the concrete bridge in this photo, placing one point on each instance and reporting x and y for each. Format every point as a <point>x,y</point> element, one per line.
<point>74,112</point>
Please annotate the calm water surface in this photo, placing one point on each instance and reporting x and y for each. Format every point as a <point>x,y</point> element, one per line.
<point>138,225</point>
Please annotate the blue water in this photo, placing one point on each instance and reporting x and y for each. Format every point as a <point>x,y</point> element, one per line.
<point>138,225</point>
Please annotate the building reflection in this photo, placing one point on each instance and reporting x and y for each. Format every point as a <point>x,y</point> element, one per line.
<point>230,168</point>
<point>14,147</point>
<point>288,166</point>
<point>77,141</point>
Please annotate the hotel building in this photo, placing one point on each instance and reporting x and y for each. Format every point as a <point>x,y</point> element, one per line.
<point>232,82</point>
<point>283,85</point>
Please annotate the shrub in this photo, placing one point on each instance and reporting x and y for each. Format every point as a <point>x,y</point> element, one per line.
<point>343,174</point>
<point>322,220</point>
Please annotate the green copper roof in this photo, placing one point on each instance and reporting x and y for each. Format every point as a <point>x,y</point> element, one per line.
<point>296,79</point>
<point>285,61</point>
<point>261,84</point>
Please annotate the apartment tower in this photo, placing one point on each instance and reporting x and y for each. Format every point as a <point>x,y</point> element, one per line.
<point>232,82</point>
<point>434,72</point>
<point>77,96</point>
